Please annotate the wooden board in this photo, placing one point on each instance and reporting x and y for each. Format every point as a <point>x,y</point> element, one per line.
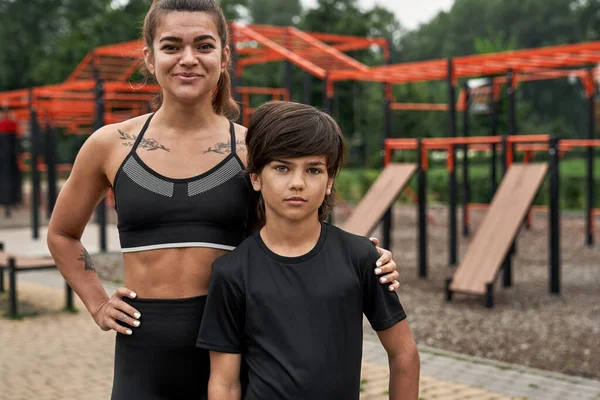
<point>495,235</point>
<point>25,262</point>
<point>378,198</point>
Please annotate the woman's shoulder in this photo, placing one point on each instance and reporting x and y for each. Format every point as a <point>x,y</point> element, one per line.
<point>121,133</point>
<point>240,141</point>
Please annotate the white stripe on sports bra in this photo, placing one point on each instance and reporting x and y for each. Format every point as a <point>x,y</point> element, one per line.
<point>177,245</point>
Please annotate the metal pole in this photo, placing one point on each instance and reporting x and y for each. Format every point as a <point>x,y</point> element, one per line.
<point>51,173</point>
<point>387,128</point>
<point>288,78</point>
<point>465,181</point>
<point>589,223</point>
<point>307,88</point>
<point>452,234</point>
<point>326,99</point>
<point>554,218</point>
<point>422,194</point>
<point>233,55</point>
<point>494,132</point>
<point>35,173</point>
<point>98,123</point>
<point>236,81</point>
<point>12,286</point>
<point>512,127</point>
<point>507,266</point>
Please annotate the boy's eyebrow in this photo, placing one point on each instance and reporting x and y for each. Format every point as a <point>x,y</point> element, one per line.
<point>179,40</point>
<point>311,163</point>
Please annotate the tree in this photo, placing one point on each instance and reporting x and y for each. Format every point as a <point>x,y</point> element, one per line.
<point>275,12</point>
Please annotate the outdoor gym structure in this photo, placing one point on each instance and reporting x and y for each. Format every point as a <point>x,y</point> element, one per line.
<point>504,69</point>
<point>99,91</point>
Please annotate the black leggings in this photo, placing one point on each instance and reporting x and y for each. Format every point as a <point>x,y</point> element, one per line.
<point>160,361</point>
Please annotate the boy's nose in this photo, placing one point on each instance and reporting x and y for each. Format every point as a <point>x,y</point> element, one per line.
<point>297,183</point>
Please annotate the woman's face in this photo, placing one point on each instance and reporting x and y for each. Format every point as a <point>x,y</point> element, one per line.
<point>187,58</point>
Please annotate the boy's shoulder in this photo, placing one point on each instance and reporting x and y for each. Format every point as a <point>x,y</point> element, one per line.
<point>358,246</point>
<point>237,259</point>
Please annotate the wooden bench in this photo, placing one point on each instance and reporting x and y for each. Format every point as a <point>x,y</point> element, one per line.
<point>378,198</point>
<point>17,263</point>
<point>489,248</point>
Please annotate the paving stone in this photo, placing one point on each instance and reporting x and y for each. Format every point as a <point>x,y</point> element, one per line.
<point>64,356</point>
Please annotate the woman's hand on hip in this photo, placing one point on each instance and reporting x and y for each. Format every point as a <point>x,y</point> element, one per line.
<point>115,309</point>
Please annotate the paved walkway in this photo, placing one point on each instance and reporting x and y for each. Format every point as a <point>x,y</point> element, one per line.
<point>56,355</point>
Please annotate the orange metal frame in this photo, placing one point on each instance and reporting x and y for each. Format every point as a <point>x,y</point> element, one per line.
<point>528,144</point>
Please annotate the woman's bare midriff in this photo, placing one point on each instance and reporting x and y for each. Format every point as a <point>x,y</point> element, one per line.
<point>170,273</point>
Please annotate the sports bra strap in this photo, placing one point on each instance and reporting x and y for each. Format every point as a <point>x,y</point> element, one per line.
<point>141,134</point>
<point>232,133</point>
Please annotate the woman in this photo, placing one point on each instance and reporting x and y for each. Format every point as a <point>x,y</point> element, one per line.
<point>182,201</point>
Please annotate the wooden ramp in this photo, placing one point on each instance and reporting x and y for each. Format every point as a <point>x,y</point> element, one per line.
<point>378,198</point>
<point>486,253</point>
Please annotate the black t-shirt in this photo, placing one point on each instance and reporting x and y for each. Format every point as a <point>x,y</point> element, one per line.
<point>298,320</point>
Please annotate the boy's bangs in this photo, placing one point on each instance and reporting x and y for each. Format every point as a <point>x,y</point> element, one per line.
<point>310,140</point>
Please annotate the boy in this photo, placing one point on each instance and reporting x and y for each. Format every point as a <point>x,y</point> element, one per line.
<point>291,298</point>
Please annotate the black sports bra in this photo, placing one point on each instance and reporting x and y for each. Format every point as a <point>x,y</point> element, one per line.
<point>157,212</point>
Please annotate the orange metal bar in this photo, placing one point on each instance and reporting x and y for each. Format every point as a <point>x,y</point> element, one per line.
<point>450,159</point>
<point>261,90</point>
<point>82,65</point>
<point>424,159</point>
<point>246,114</point>
<point>349,61</point>
<point>262,59</point>
<point>528,138</point>
<point>406,144</point>
<point>301,62</point>
<point>509,156</point>
<point>419,106</point>
<point>387,157</point>
<point>581,142</point>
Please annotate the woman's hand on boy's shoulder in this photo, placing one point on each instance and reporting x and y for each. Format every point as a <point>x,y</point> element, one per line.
<point>386,268</point>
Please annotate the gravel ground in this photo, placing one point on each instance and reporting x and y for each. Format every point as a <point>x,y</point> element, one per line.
<point>527,326</point>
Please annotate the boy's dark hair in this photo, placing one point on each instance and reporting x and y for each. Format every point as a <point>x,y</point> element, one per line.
<point>283,129</point>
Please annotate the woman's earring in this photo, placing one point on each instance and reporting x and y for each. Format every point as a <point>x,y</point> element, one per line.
<point>328,191</point>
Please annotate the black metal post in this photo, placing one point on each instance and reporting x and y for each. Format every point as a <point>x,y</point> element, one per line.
<point>234,61</point>
<point>387,131</point>
<point>589,223</point>
<point>307,88</point>
<point>51,173</point>
<point>1,271</point>
<point>453,195</point>
<point>98,123</point>
<point>236,81</point>
<point>554,217</point>
<point>35,173</point>
<point>452,226</point>
<point>422,194</point>
<point>465,163</point>
<point>494,132</point>
<point>507,265</point>
<point>512,104</point>
<point>69,297</point>
<point>327,101</point>
<point>512,127</point>
<point>288,79</point>
<point>12,286</point>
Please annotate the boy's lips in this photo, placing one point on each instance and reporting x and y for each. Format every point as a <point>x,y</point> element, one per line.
<point>295,200</point>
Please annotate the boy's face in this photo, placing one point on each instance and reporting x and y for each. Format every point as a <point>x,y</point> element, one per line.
<point>293,188</point>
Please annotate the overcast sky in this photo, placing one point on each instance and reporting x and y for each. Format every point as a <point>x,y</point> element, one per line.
<point>410,13</point>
